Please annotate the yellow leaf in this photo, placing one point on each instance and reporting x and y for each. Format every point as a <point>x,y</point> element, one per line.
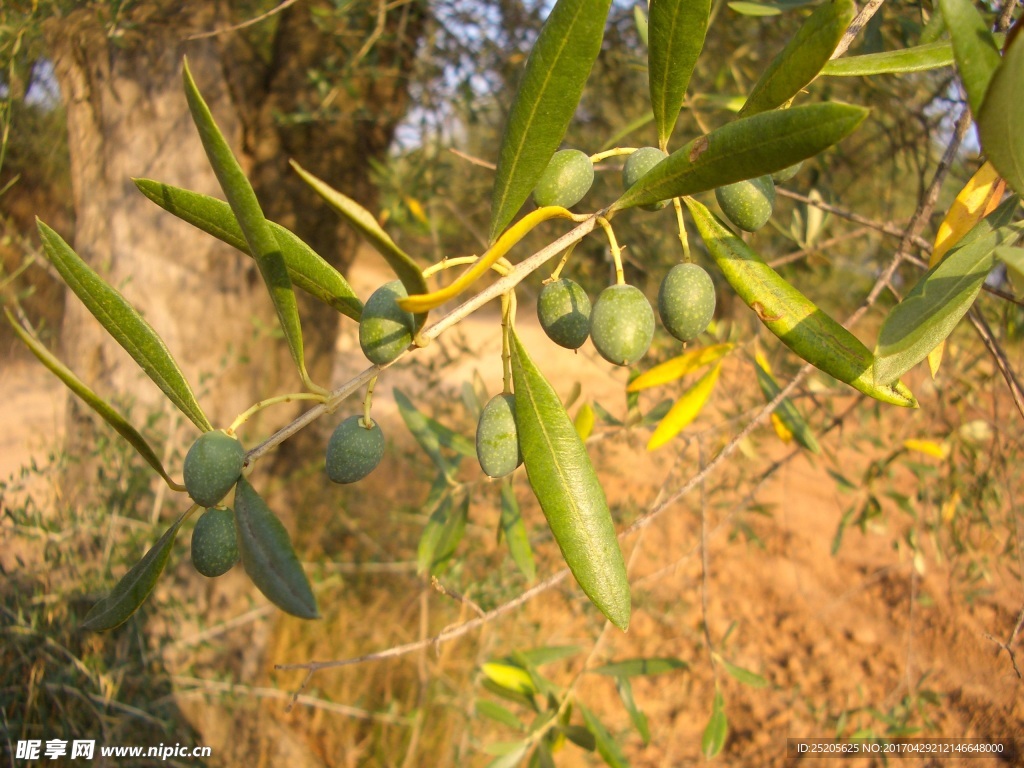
<point>678,367</point>
<point>781,429</point>
<point>417,211</point>
<point>929,447</point>
<point>949,507</point>
<point>584,421</point>
<point>511,677</point>
<point>685,410</point>
<point>979,197</point>
<point>762,361</point>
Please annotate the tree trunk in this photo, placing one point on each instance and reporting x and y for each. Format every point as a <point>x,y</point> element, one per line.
<point>127,117</point>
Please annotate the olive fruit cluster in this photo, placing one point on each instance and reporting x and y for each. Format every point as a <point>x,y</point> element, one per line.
<point>354,450</point>
<point>567,178</point>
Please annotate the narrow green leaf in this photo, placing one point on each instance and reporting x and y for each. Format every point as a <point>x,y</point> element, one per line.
<point>451,535</point>
<point>134,587</point>
<point>512,758</point>
<point>365,224</point>
<point>607,747</point>
<point>439,503</point>
<point>717,729</point>
<point>917,59</point>
<point>625,689</point>
<point>974,47</point>
<point>542,757</point>
<point>430,434</point>
<point>523,700</point>
<point>791,417</point>
<point>548,93</point>
<point>258,235</point>
<point>744,149</point>
<point>742,675</point>
<point>514,529</point>
<point>1013,258</point>
<point>124,324</point>
<point>642,24</point>
<point>568,490</point>
<point>801,60</point>
<point>746,8</point>
<point>547,654</point>
<point>677,35</point>
<point>635,667</point>
<point>579,736</point>
<point>499,714</point>
<point>934,306</point>
<point>800,325</point>
<point>1002,115</point>
<point>90,398</point>
<point>268,557</point>
<point>307,269</point>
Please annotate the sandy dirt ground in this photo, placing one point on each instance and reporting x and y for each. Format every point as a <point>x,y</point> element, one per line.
<point>859,637</point>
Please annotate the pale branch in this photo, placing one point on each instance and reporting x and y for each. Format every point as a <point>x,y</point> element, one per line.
<point>987,337</point>
<point>242,25</point>
<point>858,23</point>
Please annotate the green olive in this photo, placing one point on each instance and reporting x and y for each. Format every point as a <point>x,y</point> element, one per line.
<point>686,301</point>
<point>354,450</point>
<point>212,467</point>
<point>748,204</point>
<point>385,329</point>
<point>497,438</point>
<point>622,324</point>
<point>214,544</point>
<point>566,180</point>
<point>563,309</point>
<point>637,165</point>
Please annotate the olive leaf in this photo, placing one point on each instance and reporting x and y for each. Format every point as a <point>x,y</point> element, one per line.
<point>510,753</point>
<point>974,48</point>
<point>744,149</point>
<point>934,306</point>
<point>1002,115</point>
<point>134,587</point>
<point>916,59</point>
<point>307,269</point>
<point>642,24</point>
<point>510,676</point>
<point>607,747</point>
<point>717,730</point>
<point>260,238</point>
<point>431,435</point>
<point>742,675</point>
<point>499,714</point>
<point>124,324</point>
<point>268,556</point>
<point>803,327</point>
<point>366,225</point>
<point>788,414</point>
<point>514,529</point>
<point>439,503</point>
<point>90,398</point>
<point>801,60</point>
<point>636,715</point>
<point>685,409</point>
<point>638,667</point>
<point>678,367</point>
<point>676,36</point>
<point>570,495</point>
<point>549,91</point>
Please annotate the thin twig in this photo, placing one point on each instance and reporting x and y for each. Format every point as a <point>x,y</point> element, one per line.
<point>858,23</point>
<point>248,23</point>
<point>987,337</point>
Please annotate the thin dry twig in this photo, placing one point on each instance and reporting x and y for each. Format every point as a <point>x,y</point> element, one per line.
<point>858,23</point>
<point>247,23</point>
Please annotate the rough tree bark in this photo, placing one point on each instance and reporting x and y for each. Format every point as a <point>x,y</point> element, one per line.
<point>127,118</point>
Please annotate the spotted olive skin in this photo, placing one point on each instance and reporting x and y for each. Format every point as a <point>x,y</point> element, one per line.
<point>214,544</point>
<point>212,467</point>
<point>385,329</point>
<point>637,166</point>
<point>748,204</point>
<point>566,180</point>
<point>497,437</point>
<point>563,309</point>
<point>354,451</point>
<point>622,324</point>
<point>787,173</point>
<point>686,301</point>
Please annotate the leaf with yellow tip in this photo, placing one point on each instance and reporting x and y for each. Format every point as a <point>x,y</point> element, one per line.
<point>678,367</point>
<point>979,197</point>
<point>510,677</point>
<point>584,421</point>
<point>416,209</point>
<point>928,447</point>
<point>685,410</point>
<point>781,429</point>
<point>949,507</point>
